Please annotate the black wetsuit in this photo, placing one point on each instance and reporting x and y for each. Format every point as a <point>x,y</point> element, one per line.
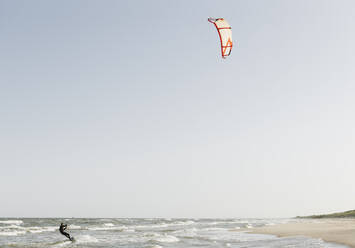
<point>62,229</point>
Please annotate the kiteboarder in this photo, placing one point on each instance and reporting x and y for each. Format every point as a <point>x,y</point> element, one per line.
<point>62,231</point>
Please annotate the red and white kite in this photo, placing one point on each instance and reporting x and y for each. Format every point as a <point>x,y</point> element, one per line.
<point>225,35</point>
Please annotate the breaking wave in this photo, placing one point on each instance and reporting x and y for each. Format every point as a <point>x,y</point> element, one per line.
<point>16,222</point>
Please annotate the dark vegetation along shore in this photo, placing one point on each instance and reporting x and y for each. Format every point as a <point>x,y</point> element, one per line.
<point>346,214</point>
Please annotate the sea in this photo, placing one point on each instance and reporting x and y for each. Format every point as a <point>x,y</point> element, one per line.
<point>147,233</point>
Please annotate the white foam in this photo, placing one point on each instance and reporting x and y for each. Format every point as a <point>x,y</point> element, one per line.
<point>31,229</point>
<point>152,226</point>
<point>222,222</point>
<point>36,229</point>
<point>61,244</point>
<point>213,223</point>
<point>74,227</point>
<point>163,225</point>
<point>189,232</point>
<point>214,229</point>
<point>167,239</point>
<point>189,222</point>
<point>16,222</point>
<point>86,239</point>
<point>13,233</point>
<point>109,224</point>
<point>109,228</point>
<point>11,227</point>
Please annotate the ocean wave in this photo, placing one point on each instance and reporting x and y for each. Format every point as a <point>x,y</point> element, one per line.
<point>16,222</point>
<point>108,228</point>
<point>109,224</point>
<point>184,223</point>
<point>151,226</point>
<point>10,227</point>
<point>214,229</point>
<point>214,223</point>
<point>36,229</point>
<point>155,246</point>
<point>221,222</point>
<point>244,221</point>
<point>72,227</point>
<point>164,225</point>
<point>166,239</point>
<point>12,233</point>
<point>61,244</point>
<point>86,239</point>
<point>186,233</point>
<point>14,230</point>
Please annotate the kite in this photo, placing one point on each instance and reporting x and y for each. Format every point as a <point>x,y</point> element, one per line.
<point>225,35</point>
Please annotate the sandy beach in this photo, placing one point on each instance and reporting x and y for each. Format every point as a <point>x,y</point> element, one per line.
<point>341,231</point>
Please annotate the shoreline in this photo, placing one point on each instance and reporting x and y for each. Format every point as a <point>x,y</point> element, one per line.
<point>340,231</point>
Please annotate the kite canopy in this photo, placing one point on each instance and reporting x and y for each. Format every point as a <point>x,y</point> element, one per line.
<point>225,35</point>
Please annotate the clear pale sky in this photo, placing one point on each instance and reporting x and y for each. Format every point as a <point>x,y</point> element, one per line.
<point>126,109</point>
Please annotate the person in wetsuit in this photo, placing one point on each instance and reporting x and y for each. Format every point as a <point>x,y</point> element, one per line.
<point>62,231</point>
